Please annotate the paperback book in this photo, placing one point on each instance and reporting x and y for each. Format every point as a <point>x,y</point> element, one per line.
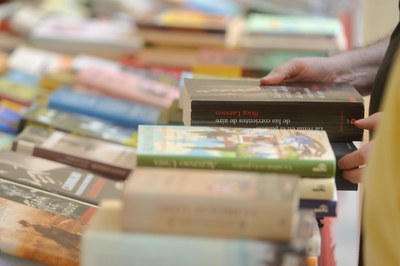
<point>57,178</point>
<point>119,112</point>
<point>77,124</point>
<point>49,202</point>
<point>233,204</point>
<point>136,249</point>
<point>108,159</point>
<point>332,107</point>
<point>302,152</point>
<point>37,235</point>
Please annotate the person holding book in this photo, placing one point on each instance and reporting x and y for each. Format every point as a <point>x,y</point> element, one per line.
<point>365,68</point>
<point>381,219</point>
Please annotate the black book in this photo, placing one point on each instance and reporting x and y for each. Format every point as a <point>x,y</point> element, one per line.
<point>341,149</point>
<point>332,107</point>
<point>57,178</point>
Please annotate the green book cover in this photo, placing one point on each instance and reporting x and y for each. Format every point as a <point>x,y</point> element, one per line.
<point>302,152</point>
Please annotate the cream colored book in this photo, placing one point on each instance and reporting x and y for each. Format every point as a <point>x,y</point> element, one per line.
<point>231,204</point>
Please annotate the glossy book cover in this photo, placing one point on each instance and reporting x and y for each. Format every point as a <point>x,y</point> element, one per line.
<point>302,152</point>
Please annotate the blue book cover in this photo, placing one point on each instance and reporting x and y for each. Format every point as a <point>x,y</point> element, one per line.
<point>124,113</point>
<point>9,121</point>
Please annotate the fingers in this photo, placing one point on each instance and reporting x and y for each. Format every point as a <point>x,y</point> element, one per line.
<point>282,73</point>
<point>370,122</point>
<point>352,164</point>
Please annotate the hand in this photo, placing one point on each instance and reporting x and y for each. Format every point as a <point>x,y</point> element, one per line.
<point>322,69</point>
<point>352,163</point>
<point>310,69</point>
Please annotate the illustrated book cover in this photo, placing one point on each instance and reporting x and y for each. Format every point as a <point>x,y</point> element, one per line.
<point>57,178</point>
<point>301,152</point>
<point>37,235</point>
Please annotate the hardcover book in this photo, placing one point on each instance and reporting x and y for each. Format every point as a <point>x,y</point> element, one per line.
<point>302,152</point>
<point>136,249</point>
<point>40,236</point>
<point>108,159</point>
<point>49,202</point>
<point>119,112</point>
<point>332,107</point>
<point>211,203</point>
<point>77,124</point>
<point>57,178</point>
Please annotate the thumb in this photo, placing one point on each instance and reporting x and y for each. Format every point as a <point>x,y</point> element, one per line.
<point>369,123</point>
<point>274,77</point>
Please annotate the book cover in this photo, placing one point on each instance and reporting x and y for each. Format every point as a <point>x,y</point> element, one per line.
<point>233,204</point>
<point>40,236</point>
<point>57,178</point>
<point>332,107</point>
<point>6,140</point>
<point>135,249</point>
<point>77,124</point>
<point>301,152</point>
<point>19,93</point>
<point>120,112</point>
<point>49,202</point>
<point>108,159</point>
<point>127,86</point>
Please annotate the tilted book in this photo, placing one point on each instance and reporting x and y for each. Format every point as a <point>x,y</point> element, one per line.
<point>138,249</point>
<point>127,86</point>
<point>117,111</point>
<point>57,178</point>
<point>108,159</point>
<point>332,107</point>
<point>46,201</point>
<point>40,236</point>
<point>211,203</point>
<point>77,124</point>
<point>302,152</point>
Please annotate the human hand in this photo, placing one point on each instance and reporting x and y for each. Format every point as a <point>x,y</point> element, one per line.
<point>310,69</point>
<point>352,164</point>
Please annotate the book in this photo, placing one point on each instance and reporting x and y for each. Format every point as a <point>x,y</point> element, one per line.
<point>187,28</point>
<point>96,36</point>
<point>9,120</point>
<point>37,235</point>
<point>108,159</point>
<point>321,208</point>
<point>49,202</point>
<point>317,188</point>
<point>341,149</point>
<point>332,107</point>
<point>117,111</point>
<point>127,86</point>
<point>286,32</point>
<point>6,140</point>
<point>233,204</point>
<point>135,248</point>
<point>302,152</point>
<point>57,178</point>
<point>18,92</point>
<point>82,125</point>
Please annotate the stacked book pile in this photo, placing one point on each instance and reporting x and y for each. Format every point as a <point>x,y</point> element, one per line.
<point>86,165</point>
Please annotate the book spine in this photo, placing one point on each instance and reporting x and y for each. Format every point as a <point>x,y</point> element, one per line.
<point>317,188</point>
<point>107,170</point>
<point>309,168</point>
<point>337,119</point>
<point>322,208</point>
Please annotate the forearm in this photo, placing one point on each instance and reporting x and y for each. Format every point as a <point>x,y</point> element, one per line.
<point>361,64</point>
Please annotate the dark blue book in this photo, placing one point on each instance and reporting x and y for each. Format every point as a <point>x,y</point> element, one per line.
<point>9,121</point>
<point>120,112</point>
<point>322,208</point>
